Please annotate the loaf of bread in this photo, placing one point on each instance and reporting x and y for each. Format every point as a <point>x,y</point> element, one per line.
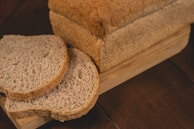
<point>72,98</point>
<point>102,17</point>
<point>113,31</point>
<point>30,66</point>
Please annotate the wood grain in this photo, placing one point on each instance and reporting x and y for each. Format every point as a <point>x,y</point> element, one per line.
<point>5,123</point>
<point>161,98</point>
<point>31,18</point>
<point>184,60</point>
<point>95,119</point>
<point>126,70</point>
<point>7,8</point>
<point>144,60</point>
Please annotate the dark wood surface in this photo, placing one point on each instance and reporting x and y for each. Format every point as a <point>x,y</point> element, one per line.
<point>160,98</point>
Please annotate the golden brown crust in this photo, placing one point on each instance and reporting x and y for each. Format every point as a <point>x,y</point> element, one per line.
<point>131,39</point>
<point>85,108</point>
<point>105,16</point>
<point>59,115</point>
<point>64,115</point>
<point>43,89</point>
<point>50,84</point>
<point>76,35</point>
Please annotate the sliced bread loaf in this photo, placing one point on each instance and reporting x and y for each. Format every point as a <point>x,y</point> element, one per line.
<point>72,98</point>
<point>102,17</point>
<point>31,65</point>
<point>78,23</point>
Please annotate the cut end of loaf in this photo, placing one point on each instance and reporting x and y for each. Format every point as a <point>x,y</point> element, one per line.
<point>136,21</point>
<point>76,36</point>
<point>76,94</point>
<point>31,65</point>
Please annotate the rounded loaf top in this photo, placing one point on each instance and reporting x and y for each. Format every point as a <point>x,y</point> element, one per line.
<point>102,17</point>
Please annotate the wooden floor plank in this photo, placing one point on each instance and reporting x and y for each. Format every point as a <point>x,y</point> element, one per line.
<point>5,123</point>
<point>146,59</point>
<point>185,60</point>
<point>7,7</point>
<point>161,98</point>
<point>31,15</point>
<point>95,119</point>
<point>142,61</point>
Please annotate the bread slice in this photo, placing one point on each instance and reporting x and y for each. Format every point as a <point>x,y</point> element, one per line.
<point>126,41</point>
<point>31,65</point>
<point>72,98</point>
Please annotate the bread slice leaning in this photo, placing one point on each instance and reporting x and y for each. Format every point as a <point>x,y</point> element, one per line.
<point>30,66</point>
<point>72,98</point>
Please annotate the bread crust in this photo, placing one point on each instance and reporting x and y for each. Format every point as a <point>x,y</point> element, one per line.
<point>42,89</point>
<point>62,114</point>
<point>102,17</point>
<point>129,40</point>
<point>76,35</point>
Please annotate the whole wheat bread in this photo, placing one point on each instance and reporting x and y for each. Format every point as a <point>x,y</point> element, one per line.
<point>72,98</point>
<point>30,66</point>
<point>102,17</point>
<point>126,31</point>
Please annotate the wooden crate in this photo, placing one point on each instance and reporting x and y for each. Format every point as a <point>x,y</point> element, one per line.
<point>124,71</point>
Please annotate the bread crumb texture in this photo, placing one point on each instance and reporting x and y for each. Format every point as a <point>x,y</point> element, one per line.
<point>30,64</point>
<point>73,97</point>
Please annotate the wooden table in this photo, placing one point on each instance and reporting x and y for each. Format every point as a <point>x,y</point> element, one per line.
<point>159,98</point>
